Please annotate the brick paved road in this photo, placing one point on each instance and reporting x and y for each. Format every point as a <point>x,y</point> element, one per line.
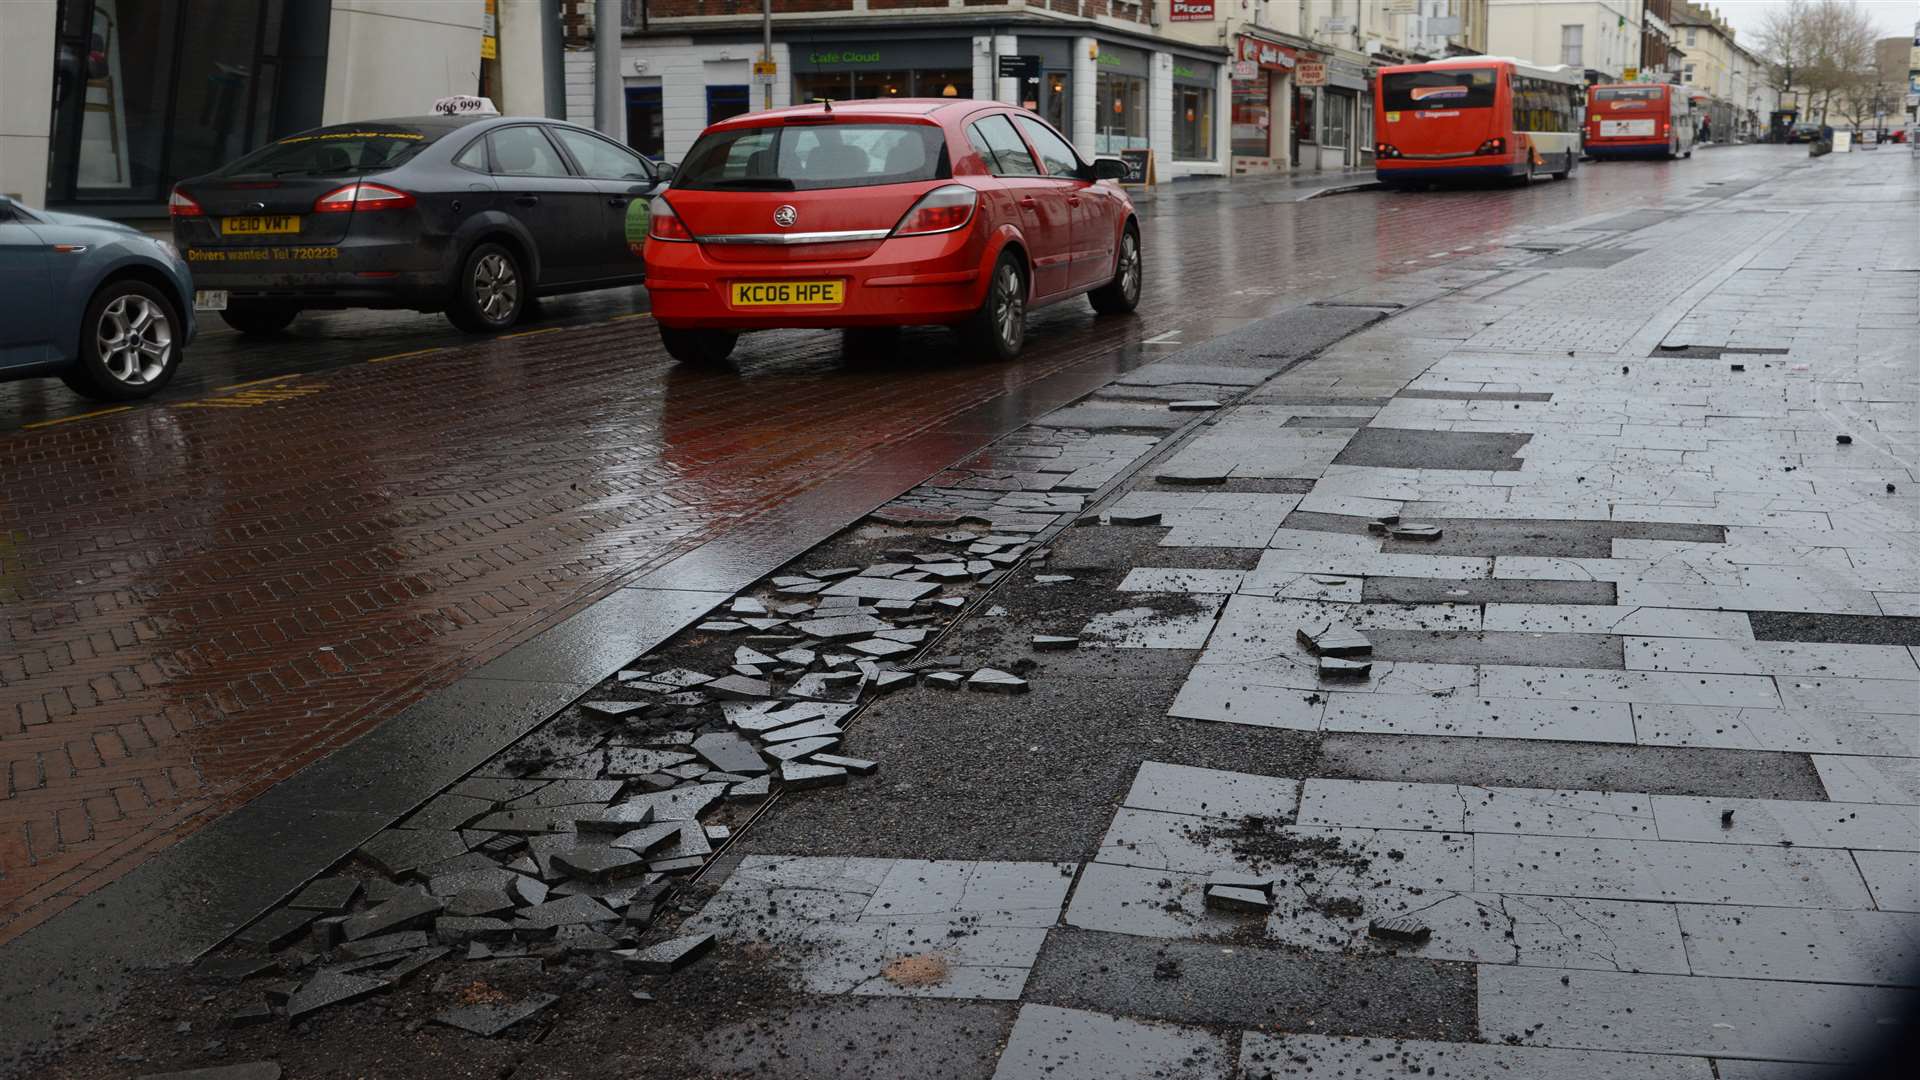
<point>203,595</point>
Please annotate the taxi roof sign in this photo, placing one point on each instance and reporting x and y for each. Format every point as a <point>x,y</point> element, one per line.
<point>465,105</point>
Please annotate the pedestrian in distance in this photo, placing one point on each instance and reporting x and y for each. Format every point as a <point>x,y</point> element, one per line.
<point>1706,129</point>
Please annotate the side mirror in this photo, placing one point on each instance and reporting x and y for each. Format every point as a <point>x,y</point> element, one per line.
<point>664,171</point>
<point>1109,168</point>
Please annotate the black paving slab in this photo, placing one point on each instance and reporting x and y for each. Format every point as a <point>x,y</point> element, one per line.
<point>1835,629</point>
<point>1418,448</point>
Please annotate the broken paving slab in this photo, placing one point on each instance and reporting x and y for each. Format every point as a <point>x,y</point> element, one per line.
<point>1401,928</point>
<point>801,775</point>
<point>599,864</point>
<point>252,1070</point>
<point>1054,642</point>
<point>330,988</point>
<point>328,894</point>
<point>727,752</point>
<point>835,627</point>
<point>567,911</point>
<point>489,1019</point>
<point>406,910</point>
<point>277,929</point>
<point>799,748</point>
<point>670,956</point>
<point>876,588</point>
<point>1237,897</point>
<point>396,851</point>
<point>1334,667</point>
<point>1335,638</point>
<point>993,680</point>
<point>857,766</point>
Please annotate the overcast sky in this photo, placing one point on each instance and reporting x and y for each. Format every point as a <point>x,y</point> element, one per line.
<point>1891,16</point>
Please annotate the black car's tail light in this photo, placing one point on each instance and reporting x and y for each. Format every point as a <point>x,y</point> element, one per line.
<point>362,195</point>
<point>179,205</point>
<point>664,224</point>
<point>943,209</point>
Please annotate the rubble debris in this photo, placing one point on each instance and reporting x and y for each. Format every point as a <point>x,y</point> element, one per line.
<point>330,988</point>
<point>1401,928</point>
<point>1054,643</point>
<point>1416,532</point>
<point>328,894</point>
<point>857,766</point>
<point>408,909</point>
<point>1240,895</point>
<point>1336,638</point>
<point>801,775</point>
<point>491,1018</point>
<point>232,969</point>
<point>1051,579</point>
<point>1334,667</point>
<point>668,956</point>
<point>1726,819</point>
<point>993,680</point>
<point>252,1070</point>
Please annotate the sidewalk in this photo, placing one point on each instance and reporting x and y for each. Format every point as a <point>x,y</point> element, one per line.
<point>1629,786</point>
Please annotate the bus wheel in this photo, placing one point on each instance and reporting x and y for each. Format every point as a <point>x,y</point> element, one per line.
<point>1564,173</point>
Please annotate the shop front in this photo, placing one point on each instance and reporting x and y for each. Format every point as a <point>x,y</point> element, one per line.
<point>1195,110</point>
<point>855,70</point>
<point>148,92</point>
<point>1342,117</point>
<point>1120,114</point>
<point>1262,117</point>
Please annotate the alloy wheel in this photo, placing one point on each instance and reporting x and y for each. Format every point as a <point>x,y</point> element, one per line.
<point>1009,306</point>
<point>496,288</point>
<point>135,339</point>
<point>1130,268</point>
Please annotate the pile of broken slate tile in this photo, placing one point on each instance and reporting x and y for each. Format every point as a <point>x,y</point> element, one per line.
<point>570,840</point>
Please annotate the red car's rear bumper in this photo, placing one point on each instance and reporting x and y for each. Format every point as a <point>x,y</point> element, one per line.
<point>906,281</point>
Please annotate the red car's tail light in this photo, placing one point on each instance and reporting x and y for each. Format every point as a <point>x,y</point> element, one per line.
<point>362,195</point>
<point>179,205</point>
<point>664,224</point>
<point>943,209</point>
<point>1493,146</point>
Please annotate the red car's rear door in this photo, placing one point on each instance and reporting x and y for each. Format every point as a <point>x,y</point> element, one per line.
<point>1046,218</point>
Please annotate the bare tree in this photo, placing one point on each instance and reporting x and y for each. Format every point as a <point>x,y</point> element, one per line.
<point>1822,47</point>
<point>1783,41</point>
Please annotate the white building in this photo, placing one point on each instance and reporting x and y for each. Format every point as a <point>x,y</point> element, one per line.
<point>105,104</point>
<point>1600,36</point>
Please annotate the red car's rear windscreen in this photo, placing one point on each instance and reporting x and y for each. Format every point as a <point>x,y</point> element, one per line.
<point>814,156</point>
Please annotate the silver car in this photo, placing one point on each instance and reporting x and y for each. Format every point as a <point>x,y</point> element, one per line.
<point>103,306</point>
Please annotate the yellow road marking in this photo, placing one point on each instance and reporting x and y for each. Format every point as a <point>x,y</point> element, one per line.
<point>260,382</point>
<point>258,395</point>
<point>404,355</point>
<point>530,333</point>
<point>71,419</point>
<point>635,315</point>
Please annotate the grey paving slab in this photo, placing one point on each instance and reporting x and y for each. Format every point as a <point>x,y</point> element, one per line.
<point>1667,870</point>
<point>1506,718</point>
<point>1865,826</point>
<point>1484,590</point>
<point>1891,696</point>
<point>1773,658</point>
<point>1184,622</point>
<point>875,588</point>
<point>1797,945</point>
<point>1870,779</point>
<point>1051,1043</point>
<point>1660,687</point>
<point>1680,1014</point>
<point>1274,1057</point>
<point>1893,877</point>
<point>1183,789</point>
<point>985,893</point>
<point>1375,804</point>
<point>1738,1069</point>
<point>1546,812</point>
<point>1613,619</point>
<point>1159,579</point>
<point>1800,729</point>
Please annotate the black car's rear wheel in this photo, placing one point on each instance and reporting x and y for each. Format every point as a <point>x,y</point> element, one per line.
<point>490,292</point>
<point>259,319</point>
<point>702,348</point>
<point>127,347</point>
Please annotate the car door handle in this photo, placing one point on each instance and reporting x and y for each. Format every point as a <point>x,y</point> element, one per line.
<point>1028,202</point>
<point>1073,200</point>
<point>527,200</point>
<point>616,201</point>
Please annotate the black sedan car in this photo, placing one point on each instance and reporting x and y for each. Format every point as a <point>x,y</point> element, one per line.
<point>470,215</point>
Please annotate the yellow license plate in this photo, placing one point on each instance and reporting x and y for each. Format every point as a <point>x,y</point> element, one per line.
<point>260,226</point>
<point>788,293</point>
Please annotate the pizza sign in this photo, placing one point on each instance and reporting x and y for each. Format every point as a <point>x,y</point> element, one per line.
<point>1190,10</point>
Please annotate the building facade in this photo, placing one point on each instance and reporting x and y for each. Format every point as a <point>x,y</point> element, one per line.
<point>1729,84</point>
<point>1601,37</point>
<point>104,104</point>
<point>1659,60</point>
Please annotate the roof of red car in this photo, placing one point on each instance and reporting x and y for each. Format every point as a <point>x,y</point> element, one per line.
<point>870,107</point>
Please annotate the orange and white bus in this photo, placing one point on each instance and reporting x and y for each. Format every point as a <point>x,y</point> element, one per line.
<point>1639,120</point>
<point>1476,117</point>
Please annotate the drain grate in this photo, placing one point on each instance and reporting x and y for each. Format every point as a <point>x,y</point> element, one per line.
<point>1377,305</point>
<point>1713,352</point>
<point>1587,259</point>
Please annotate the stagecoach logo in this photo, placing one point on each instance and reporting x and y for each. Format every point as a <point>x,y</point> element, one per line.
<point>1428,93</point>
<point>785,217</point>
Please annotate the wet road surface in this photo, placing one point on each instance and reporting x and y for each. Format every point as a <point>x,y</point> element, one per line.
<point>205,593</point>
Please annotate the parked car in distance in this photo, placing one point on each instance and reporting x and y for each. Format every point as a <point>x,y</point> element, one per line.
<point>103,306</point>
<point>873,215</point>
<point>473,215</point>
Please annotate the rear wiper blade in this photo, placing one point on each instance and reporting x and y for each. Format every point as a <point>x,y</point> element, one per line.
<point>760,183</point>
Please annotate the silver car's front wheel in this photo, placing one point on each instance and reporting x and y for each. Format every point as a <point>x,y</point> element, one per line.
<point>134,339</point>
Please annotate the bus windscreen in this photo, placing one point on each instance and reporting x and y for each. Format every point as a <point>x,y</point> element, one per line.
<point>1461,88</point>
<point>1628,93</point>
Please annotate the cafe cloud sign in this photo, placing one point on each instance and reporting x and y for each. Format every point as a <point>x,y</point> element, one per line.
<point>1190,10</point>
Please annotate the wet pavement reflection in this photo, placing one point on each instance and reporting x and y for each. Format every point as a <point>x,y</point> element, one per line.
<point>204,593</point>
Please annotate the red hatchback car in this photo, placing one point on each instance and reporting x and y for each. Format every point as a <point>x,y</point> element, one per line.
<point>872,215</point>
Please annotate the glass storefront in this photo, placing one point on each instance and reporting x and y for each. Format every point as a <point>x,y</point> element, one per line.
<point>148,92</point>
<point>1253,116</point>
<point>1336,121</point>
<point>882,69</point>
<point>1193,116</point>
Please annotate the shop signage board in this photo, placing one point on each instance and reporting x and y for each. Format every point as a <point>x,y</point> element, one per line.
<point>1190,10</point>
<point>1246,70</point>
<point>1310,74</point>
<point>1139,167</point>
<point>1267,54</point>
<point>1020,67</point>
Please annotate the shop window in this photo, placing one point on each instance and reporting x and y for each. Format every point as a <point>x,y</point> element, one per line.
<point>726,101</point>
<point>1056,99</point>
<point>1571,41</point>
<point>1253,117</point>
<point>1336,119</point>
<point>646,122</point>
<point>1120,113</point>
<point>943,84</point>
<point>882,84</point>
<point>1192,123</point>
